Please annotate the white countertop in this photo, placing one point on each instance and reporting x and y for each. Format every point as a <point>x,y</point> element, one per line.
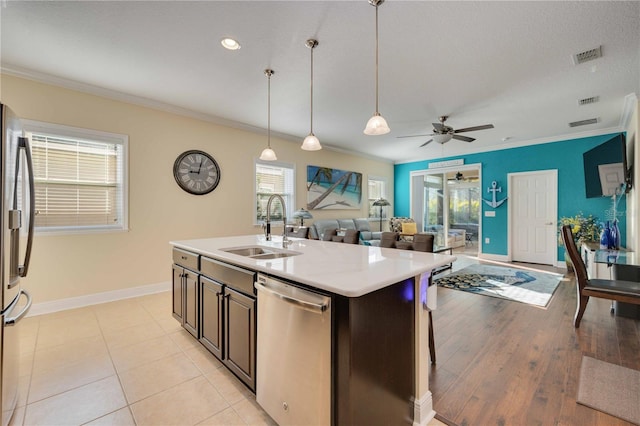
<point>346,269</point>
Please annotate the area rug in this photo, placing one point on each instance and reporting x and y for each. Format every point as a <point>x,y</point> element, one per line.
<point>534,288</point>
<point>610,388</point>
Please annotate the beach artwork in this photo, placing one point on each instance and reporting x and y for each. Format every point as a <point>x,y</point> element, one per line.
<point>332,189</point>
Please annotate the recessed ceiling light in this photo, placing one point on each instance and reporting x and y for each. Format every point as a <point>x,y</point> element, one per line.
<point>230,44</point>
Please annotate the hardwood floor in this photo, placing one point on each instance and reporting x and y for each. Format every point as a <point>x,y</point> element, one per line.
<point>508,363</point>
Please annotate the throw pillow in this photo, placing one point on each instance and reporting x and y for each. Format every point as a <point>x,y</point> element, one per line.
<point>409,228</point>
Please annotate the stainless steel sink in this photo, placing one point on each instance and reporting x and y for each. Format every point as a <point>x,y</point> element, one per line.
<point>274,255</point>
<point>247,251</point>
<point>258,252</point>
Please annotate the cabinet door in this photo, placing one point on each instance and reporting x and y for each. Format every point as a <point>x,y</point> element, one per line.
<point>191,302</point>
<point>211,315</point>
<point>178,299</point>
<point>240,336</point>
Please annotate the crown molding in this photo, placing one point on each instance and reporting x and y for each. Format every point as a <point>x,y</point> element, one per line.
<point>630,104</point>
<point>90,89</point>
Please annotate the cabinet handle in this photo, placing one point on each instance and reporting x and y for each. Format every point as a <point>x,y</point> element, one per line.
<point>183,257</point>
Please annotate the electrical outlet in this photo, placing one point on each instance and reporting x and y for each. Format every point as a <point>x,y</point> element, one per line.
<point>487,240</point>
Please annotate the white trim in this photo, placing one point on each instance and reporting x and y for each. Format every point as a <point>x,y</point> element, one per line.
<point>161,106</point>
<point>497,257</point>
<point>97,298</point>
<point>475,149</point>
<point>630,102</point>
<point>423,411</point>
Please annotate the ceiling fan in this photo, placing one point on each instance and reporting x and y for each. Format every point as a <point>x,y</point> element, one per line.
<point>443,133</point>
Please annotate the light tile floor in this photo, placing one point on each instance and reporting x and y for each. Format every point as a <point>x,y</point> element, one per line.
<point>126,363</point>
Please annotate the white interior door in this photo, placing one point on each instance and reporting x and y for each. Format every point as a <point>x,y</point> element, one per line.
<point>533,216</point>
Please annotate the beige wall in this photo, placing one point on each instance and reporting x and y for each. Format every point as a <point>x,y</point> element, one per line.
<point>78,265</point>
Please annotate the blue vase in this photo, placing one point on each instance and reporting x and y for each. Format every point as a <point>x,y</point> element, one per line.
<point>604,237</point>
<point>615,231</point>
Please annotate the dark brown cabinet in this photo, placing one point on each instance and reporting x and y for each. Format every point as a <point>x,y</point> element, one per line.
<point>185,298</point>
<point>211,315</point>
<point>215,302</point>
<point>240,335</point>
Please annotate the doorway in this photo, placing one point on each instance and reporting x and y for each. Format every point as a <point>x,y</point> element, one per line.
<point>447,200</point>
<point>533,212</point>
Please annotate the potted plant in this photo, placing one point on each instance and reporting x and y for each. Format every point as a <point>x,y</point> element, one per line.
<point>584,229</point>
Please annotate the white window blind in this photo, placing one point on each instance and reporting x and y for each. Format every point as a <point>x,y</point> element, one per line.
<point>274,178</point>
<point>79,183</point>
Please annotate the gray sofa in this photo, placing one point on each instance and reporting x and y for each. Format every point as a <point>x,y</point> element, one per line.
<point>316,230</point>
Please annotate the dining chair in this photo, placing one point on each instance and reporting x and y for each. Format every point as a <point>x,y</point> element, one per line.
<point>618,290</point>
<point>388,239</point>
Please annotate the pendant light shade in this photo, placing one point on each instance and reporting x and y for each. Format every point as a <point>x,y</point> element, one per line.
<point>268,154</point>
<point>311,142</point>
<point>376,125</point>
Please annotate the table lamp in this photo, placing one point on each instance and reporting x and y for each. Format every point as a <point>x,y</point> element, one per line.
<point>302,214</point>
<point>381,202</point>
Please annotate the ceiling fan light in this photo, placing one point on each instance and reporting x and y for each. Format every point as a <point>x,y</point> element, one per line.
<point>376,125</point>
<point>311,143</point>
<point>268,155</point>
<point>442,138</point>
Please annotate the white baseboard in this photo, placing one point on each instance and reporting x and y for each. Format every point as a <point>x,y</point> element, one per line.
<point>497,257</point>
<point>97,298</point>
<point>423,410</point>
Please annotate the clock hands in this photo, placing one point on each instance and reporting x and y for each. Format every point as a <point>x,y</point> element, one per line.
<point>196,171</point>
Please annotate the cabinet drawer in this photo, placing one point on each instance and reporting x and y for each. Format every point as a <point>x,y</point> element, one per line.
<point>186,259</point>
<point>233,276</point>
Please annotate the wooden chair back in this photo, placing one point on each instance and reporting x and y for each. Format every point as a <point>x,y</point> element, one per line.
<point>574,255</point>
<point>388,239</point>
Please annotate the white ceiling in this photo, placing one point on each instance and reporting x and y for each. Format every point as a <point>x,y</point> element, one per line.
<point>505,63</point>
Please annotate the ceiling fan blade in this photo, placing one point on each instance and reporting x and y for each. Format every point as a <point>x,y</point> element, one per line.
<point>471,129</point>
<point>439,127</point>
<point>463,138</point>
<point>426,143</point>
<point>413,136</point>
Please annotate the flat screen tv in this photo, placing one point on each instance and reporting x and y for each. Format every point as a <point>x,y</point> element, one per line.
<point>605,168</point>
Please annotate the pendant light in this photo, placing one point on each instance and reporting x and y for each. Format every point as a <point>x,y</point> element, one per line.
<point>376,125</point>
<point>311,142</point>
<point>268,154</point>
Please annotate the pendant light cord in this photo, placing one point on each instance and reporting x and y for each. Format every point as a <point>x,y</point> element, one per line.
<point>312,89</point>
<point>377,60</point>
<point>269,108</point>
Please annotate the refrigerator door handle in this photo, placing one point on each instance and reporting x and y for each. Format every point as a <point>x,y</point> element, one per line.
<point>10,321</point>
<point>23,143</point>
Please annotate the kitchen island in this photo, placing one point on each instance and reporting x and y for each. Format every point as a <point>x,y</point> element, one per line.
<point>379,356</point>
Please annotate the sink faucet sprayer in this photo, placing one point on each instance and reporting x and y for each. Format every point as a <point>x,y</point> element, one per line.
<point>267,230</point>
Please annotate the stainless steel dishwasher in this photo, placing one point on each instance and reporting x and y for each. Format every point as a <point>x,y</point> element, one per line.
<point>293,373</point>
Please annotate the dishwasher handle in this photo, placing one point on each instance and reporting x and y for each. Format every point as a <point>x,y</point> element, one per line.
<point>310,306</point>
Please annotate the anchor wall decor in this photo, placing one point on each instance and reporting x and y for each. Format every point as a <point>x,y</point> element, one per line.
<point>494,188</point>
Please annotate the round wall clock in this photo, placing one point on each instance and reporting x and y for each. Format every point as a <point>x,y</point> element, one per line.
<point>196,172</point>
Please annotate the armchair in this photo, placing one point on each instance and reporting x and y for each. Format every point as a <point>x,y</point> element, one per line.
<point>405,227</point>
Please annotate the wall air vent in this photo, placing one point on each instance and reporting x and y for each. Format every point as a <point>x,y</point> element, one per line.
<point>587,55</point>
<point>583,122</point>
<point>587,101</point>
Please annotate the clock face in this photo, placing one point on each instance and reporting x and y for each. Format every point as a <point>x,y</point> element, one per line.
<point>196,172</point>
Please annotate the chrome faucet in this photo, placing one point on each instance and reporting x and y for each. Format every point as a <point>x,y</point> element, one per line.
<point>267,230</point>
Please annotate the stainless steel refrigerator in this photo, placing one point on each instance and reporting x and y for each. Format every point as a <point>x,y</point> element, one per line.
<point>16,238</point>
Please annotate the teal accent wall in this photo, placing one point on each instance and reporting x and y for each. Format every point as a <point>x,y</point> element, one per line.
<point>564,156</point>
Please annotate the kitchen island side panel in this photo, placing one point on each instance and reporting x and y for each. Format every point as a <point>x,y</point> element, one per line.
<point>374,373</point>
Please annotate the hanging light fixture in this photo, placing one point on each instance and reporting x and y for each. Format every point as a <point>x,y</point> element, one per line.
<point>311,142</point>
<point>268,154</point>
<point>376,125</point>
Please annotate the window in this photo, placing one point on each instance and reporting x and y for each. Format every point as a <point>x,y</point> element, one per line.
<point>80,178</point>
<point>274,178</point>
<point>377,189</point>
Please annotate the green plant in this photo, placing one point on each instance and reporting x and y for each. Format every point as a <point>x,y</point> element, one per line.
<point>583,228</point>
